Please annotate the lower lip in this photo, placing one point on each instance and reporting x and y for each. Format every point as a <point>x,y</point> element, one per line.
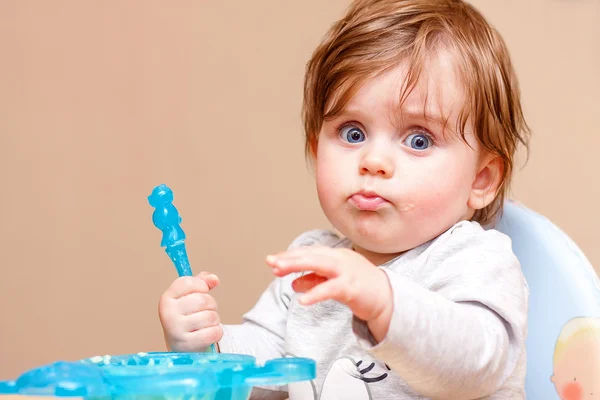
<point>368,203</point>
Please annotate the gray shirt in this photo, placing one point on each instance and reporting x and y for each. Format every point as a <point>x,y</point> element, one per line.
<point>458,327</point>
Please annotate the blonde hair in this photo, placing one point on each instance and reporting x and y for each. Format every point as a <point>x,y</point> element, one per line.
<point>376,35</point>
<point>573,331</point>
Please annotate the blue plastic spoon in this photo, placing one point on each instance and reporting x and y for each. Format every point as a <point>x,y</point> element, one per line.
<point>166,218</point>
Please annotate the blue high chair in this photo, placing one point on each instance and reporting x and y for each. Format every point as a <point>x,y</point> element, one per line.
<point>562,283</point>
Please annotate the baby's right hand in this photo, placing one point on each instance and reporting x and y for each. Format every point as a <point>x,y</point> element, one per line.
<point>188,313</point>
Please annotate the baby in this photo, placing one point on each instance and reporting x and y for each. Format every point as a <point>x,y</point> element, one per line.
<point>412,118</point>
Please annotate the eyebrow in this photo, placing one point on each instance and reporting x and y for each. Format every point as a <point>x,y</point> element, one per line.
<point>403,114</point>
<point>354,113</point>
<point>423,115</point>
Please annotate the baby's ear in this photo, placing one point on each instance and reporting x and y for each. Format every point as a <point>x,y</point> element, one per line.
<point>487,181</point>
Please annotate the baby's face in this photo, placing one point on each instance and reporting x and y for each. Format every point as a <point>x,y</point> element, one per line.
<point>577,373</point>
<point>387,177</point>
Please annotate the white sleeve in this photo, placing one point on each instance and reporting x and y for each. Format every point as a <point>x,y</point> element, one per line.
<point>262,331</point>
<point>460,332</point>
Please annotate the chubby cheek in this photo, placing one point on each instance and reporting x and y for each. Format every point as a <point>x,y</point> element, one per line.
<point>327,192</point>
<point>331,179</point>
<point>439,194</point>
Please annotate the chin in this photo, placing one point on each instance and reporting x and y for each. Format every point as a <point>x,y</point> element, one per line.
<point>391,249</point>
<point>381,245</point>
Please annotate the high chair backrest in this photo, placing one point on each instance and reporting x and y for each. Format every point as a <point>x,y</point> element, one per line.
<point>563,286</point>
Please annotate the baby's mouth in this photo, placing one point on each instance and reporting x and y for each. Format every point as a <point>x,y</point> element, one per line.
<point>368,201</point>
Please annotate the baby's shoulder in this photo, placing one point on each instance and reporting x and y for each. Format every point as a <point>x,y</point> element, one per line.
<point>468,248</point>
<point>317,237</point>
<point>471,237</point>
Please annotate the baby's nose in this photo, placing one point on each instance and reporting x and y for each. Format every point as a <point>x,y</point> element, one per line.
<point>377,162</point>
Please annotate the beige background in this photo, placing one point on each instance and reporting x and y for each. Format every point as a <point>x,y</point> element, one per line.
<point>101,101</point>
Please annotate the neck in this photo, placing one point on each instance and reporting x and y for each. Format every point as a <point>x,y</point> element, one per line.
<point>375,258</point>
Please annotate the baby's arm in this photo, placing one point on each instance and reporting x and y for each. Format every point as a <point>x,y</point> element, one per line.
<point>460,332</point>
<point>262,331</point>
<point>262,335</point>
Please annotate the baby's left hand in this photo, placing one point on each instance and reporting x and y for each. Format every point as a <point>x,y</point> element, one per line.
<point>342,275</point>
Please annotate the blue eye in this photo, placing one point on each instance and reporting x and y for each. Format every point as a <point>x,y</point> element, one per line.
<point>352,134</point>
<point>418,141</point>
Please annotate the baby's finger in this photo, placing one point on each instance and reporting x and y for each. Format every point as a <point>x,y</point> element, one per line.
<point>329,290</point>
<point>201,320</point>
<point>207,336</point>
<point>299,252</point>
<point>187,285</point>
<point>196,302</point>
<point>321,263</point>
<point>307,282</point>
<point>211,279</point>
